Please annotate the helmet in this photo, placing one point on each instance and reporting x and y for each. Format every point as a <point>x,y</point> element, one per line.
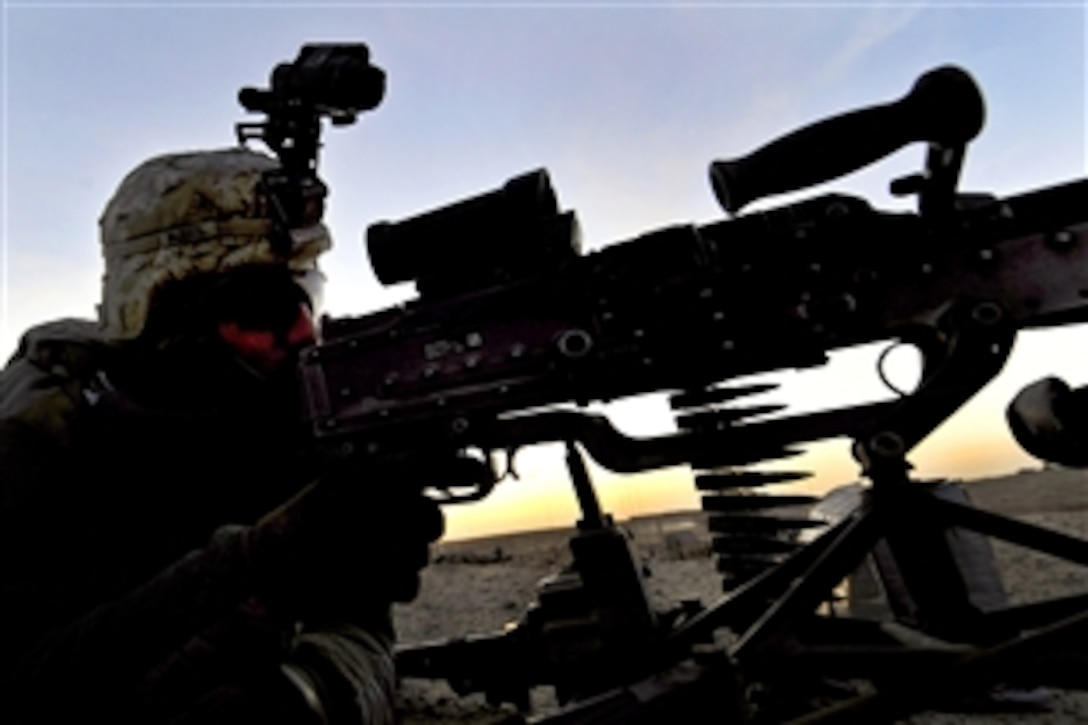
<point>181,215</point>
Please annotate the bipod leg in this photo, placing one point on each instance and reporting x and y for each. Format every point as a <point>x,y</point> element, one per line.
<point>934,687</point>
<point>808,590</point>
<point>936,585</point>
<point>741,607</point>
<point>1008,529</point>
<point>1015,620</point>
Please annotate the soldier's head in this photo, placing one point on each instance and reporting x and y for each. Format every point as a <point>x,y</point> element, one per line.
<point>191,250</point>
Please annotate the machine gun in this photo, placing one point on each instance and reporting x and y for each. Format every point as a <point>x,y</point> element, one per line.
<point>513,326</point>
<point>512,318</point>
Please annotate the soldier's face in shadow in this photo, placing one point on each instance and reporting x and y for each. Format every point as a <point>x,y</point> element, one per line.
<point>266,318</point>
<point>269,350</point>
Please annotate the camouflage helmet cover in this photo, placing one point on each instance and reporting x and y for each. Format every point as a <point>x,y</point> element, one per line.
<point>181,215</point>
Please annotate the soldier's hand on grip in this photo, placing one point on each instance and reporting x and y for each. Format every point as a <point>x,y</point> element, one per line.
<point>348,546</point>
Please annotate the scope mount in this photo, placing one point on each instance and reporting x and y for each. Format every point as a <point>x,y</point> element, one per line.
<point>336,81</point>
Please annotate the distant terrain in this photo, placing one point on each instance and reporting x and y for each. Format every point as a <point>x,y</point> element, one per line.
<point>1052,488</point>
<point>1032,491</point>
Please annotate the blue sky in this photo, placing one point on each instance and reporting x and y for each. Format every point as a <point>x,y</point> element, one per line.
<point>624,103</point>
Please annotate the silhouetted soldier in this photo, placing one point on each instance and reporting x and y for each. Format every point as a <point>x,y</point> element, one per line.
<point>143,579</point>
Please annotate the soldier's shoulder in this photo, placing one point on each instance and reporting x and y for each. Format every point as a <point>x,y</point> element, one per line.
<point>41,383</point>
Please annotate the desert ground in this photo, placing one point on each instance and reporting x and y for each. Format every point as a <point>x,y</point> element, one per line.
<point>478,586</point>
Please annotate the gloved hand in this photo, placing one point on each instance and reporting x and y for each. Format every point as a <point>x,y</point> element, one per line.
<point>338,546</point>
<point>1050,421</point>
<point>343,546</point>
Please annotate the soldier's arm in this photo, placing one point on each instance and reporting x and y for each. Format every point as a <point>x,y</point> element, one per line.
<point>54,638</point>
<point>111,657</point>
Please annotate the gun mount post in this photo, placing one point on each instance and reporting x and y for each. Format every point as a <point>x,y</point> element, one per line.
<point>592,518</point>
<point>968,347</point>
<point>601,595</point>
<point>592,627</point>
<point>774,611</point>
